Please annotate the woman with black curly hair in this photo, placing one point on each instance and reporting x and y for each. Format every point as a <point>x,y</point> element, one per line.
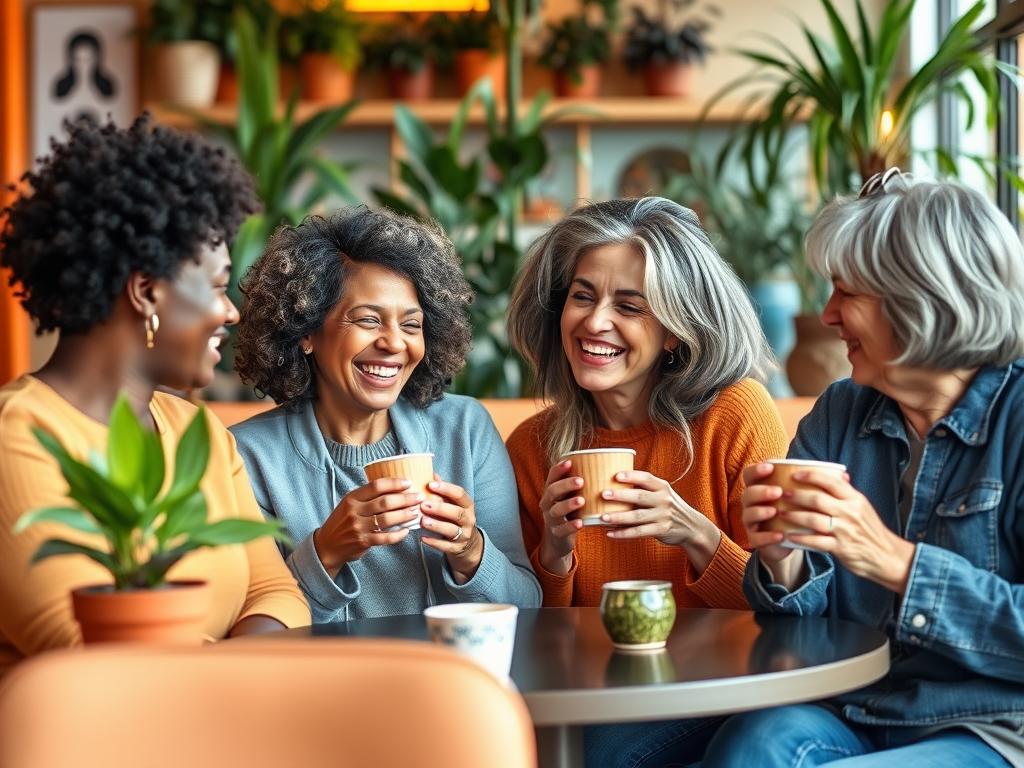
<point>354,324</point>
<point>122,248</point>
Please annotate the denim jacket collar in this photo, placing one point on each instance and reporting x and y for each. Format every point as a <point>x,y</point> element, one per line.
<point>969,419</point>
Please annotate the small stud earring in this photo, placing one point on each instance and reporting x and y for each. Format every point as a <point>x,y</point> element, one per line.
<point>307,350</point>
<point>152,326</point>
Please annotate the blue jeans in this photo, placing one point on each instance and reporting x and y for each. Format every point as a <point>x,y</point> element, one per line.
<point>665,744</point>
<point>804,735</point>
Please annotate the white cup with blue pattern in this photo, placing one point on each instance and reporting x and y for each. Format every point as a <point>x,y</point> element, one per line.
<point>483,632</point>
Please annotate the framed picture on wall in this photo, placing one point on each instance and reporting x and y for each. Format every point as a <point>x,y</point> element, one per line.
<point>84,62</point>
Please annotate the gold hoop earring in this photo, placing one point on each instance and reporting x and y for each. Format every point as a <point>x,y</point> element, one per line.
<point>152,326</point>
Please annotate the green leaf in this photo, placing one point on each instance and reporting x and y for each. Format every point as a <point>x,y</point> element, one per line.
<point>125,448</point>
<point>110,505</point>
<point>191,458</point>
<point>154,571</point>
<point>182,518</point>
<point>394,202</point>
<point>334,178</point>
<point>52,547</point>
<point>73,518</point>
<point>459,182</point>
<point>417,138</point>
<point>153,466</point>
<point>236,531</point>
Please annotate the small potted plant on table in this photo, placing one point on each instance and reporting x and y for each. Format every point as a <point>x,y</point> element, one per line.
<point>472,40</point>
<point>137,532</point>
<point>665,47</point>
<point>578,46</point>
<point>184,35</point>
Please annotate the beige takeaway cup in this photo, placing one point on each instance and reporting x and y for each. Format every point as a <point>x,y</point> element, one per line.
<point>598,467</point>
<point>782,476</point>
<point>418,468</point>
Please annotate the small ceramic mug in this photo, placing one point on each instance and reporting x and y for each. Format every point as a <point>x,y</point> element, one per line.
<point>483,632</point>
<point>638,615</point>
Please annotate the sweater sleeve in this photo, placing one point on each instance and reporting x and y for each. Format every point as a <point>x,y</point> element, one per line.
<point>529,461</point>
<point>272,590</point>
<point>35,605</point>
<point>747,429</point>
<point>504,574</point>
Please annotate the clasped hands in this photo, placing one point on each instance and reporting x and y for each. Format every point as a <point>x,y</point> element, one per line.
<point>367,517</point>
<point>842,520</point>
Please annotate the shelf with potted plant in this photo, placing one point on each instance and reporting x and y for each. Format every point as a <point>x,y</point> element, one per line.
<point>577,47</point>
<point>665,47</point>
<point>324,39</point>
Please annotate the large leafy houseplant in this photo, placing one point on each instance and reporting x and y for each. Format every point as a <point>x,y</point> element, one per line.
<point>277,149</point>
<point>858,104</point>
<point>118,498</point>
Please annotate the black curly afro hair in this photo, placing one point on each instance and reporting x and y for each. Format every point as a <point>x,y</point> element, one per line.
<point>111,201</point>
<point>299,280</point>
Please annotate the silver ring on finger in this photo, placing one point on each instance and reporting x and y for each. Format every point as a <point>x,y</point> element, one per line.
<point>376,525</point>
<point>831,520</point>
<point>457,535</point>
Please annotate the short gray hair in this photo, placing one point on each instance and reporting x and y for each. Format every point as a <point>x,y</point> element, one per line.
<point>691,291</point>
<point>946,264</point>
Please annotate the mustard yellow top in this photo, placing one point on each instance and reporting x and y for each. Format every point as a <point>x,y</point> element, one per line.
<point>35,602</point>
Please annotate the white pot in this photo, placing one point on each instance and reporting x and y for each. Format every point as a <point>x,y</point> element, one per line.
<point>187,72</point>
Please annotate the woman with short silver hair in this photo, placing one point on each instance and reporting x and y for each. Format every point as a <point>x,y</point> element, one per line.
<point>924,537</point>
<point>641,337</point>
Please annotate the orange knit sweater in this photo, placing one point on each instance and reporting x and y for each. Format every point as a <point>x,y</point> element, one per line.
<point>741,427</point>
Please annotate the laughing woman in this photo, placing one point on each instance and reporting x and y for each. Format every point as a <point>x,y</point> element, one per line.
<point>642,338</point>
<point>355,324</point>
<point>925,538</point>
<point>122,247</point>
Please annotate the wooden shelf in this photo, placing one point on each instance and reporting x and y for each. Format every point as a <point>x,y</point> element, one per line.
<point>611,111</point>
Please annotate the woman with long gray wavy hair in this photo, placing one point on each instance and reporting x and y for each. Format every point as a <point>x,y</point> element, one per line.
<point>641,337</point>
<point>924,537</point>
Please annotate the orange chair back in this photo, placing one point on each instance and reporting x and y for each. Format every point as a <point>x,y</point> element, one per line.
<point>262,703</point>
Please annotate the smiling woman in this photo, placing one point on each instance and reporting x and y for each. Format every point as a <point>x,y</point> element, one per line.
<point>355,324</point>
<point>121,247</point>
<point>643,338</point>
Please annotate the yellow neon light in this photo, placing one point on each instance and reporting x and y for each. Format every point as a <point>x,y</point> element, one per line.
<point>417,5</point>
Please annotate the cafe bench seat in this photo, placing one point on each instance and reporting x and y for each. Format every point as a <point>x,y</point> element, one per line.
<point>507,414</point>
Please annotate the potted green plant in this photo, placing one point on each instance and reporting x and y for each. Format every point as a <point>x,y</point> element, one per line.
<point>578,46</point>
<point>857,101</point>
<point>407,51</point>
<point>324,37</point>
<point>665,47</point>
<point>184,35</point>
<point>262,13</point>
<point>473,41</point>
<point>137,531</point>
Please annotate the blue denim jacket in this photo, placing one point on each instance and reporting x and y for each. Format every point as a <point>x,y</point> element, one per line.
<point>957,636</point>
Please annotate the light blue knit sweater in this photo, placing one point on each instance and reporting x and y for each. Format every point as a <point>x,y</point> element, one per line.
<point>295,479</point>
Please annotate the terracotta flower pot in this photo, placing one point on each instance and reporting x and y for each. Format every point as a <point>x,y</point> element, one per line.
<point>287,80</point>
<point>227,84</point>
<point>187,72</point>
<point>471,65</point>
<point>588,88</point>
<point>411,86</point>
<point>670,79</point>
<point>324,79</point>
<point>818,357</point>
<point>171,615</point>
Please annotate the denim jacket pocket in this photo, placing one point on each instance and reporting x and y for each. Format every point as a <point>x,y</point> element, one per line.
<point>966,523</point>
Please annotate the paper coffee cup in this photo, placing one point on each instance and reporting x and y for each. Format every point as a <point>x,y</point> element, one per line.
<point>782,476</point>
<point>598,467</point>
<point>417,468</point>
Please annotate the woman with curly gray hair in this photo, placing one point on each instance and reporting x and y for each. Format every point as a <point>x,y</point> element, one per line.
<point>354,324</point>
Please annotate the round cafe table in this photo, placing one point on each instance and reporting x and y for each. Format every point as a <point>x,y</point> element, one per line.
<point>715,662</point>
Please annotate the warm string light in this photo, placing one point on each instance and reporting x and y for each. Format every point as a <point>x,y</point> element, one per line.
<point>885,125</point>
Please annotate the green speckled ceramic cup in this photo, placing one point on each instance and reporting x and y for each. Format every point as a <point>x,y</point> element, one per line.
<point>638,614</point>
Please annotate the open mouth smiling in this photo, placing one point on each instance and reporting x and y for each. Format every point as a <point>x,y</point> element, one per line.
<point>600,350</point>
